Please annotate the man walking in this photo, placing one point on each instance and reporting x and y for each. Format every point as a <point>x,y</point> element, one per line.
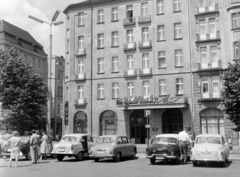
<point>34,142</point>
<point>183,144</point>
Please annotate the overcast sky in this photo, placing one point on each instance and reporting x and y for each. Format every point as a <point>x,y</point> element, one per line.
<point>16,12</point>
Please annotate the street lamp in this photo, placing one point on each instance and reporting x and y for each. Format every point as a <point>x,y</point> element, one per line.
<point>50,62</point>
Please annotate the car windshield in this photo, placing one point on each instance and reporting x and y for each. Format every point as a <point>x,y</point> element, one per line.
<point>164,140</point>
<point>209,139</point>
<point>24,139</point>
<point>106,140</point>
<point>70,139</point>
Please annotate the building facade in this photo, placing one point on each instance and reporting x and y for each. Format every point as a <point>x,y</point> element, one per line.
<point>127,60</point>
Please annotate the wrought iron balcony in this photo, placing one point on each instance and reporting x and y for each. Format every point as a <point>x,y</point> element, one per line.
<point>80,77</point>
<point>208,37</point>
<point>145,72</point>
<point>206,10</point>
<point>211,95</point>
<point>80,102</point>
<point>80,52</point>
<point>212,65</point>
<point>130,73</point>
<point>144,19</point>
<point>145,44</point>
<point>129,21</point>
<point>130,46</point>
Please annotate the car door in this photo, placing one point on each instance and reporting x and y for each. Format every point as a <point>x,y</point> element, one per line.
<point>90,142</point>
<point>119,146</point>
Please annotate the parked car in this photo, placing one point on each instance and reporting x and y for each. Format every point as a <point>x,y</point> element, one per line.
<point>210,147</point>
<point>24,148</point>
<point>165,147</point>
<point>76,145</point>
<point>113,146</point>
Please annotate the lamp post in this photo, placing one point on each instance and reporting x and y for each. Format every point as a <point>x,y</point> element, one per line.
<point>50,62</point>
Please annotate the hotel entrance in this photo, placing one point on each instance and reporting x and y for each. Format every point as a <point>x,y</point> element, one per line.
<point>172,121</point>
<point>137,126</point>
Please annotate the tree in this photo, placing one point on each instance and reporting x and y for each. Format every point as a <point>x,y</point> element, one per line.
<point>22,93</point>
<point>231,93</point>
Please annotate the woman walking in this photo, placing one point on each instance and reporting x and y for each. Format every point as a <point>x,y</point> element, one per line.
<point>44,146</point>
<point>15,148</point>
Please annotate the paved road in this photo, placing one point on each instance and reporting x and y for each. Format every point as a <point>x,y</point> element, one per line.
<point>127,168</point>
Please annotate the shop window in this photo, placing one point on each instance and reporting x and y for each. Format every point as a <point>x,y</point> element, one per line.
<point>109,123</point>
<point>80,123</point>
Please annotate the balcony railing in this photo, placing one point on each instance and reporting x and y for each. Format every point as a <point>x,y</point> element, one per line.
<point>208,37</point>
<point>81,76</point>
<point>145,44</point>
<point>80,102</point>
<point>130,46</point>
<point>209,9</point>
<point>212,65</point>
<point>145,72</point>
<point>129,21</point>
<point>144,19</point>
<point>211,95</point>
<point>130,73</point>
<point>80,52</point>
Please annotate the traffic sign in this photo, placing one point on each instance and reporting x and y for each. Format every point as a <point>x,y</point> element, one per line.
<point>147,113</point>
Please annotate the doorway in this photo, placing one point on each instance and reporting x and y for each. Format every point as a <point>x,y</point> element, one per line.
<point>172,121</point>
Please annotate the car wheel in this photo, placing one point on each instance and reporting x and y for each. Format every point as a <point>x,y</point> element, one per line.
<point>117,157</point>
<point>194,163</point>
<point>152,161</point>
<point>96,160</point>
<point>79,157</point>
<point>28,156</point>
<point>60,157</point>
<point>133,154</point>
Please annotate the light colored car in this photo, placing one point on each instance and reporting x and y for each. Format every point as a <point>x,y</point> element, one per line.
<point>76,145</point>
<point>210,147</point>
<point>113,146</point>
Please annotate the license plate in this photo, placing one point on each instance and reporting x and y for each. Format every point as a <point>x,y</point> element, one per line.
<point>62,150</point>
<point>159,157</point>
<point>100,151</point>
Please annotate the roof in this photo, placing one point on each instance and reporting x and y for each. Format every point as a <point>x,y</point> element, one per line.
<point>167,135</point>
<point>17,32</point>
<point>205,135</point>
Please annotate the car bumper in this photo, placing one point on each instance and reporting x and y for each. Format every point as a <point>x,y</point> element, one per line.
<point>63,153</point>
<point>208,158</point>
<point>101,156</point>
<point>160,156</point>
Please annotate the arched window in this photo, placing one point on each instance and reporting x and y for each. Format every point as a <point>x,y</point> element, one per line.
<point>172,121</point>
<point>109,123</point>
<point>80,123</point>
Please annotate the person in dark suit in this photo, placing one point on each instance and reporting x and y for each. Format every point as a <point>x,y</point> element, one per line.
<point>34,142</point>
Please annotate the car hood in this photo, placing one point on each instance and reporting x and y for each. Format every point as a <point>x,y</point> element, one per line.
<point>162,146</point>
<point>207,147</point>
<point>102,146</point>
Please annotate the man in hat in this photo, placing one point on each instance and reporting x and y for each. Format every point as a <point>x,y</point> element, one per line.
<point>183,144</point>
<point>34,142</point>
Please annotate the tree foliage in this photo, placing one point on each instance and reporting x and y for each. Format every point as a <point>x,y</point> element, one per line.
<point>231,93</point>
<point>22,93</point>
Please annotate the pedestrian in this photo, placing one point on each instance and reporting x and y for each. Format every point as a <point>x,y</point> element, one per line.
<point>15,148</point>
<point>38,147</point>
<point>44,148</point>
<point>1,146</point>
<point>184,140</point>
<point>34,142</point>
<point>229,143</point>
<point>50,139</point>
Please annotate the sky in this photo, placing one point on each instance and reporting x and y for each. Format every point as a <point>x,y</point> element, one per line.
<point>16,12</point>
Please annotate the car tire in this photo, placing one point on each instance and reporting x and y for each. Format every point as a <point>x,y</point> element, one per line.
<point>117,157</point>
<point>28,156</point>
<point>133,154</point>
<point>79,157</point>
<point>96,160</point>
<point>194,163</point>
<point>60,157</point>
<point>152,161</point>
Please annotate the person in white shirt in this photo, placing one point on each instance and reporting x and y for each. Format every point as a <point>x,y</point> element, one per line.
<point>183,144</point>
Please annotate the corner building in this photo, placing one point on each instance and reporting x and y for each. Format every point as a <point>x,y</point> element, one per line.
<point>126,57</point>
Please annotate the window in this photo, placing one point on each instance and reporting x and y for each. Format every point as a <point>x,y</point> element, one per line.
<point>100,91</point>
<point>161,33</point>
<point>130,62</point>
<point>160,6</point>
<point>145,35</point>
<point>108,124</point>
<point>144,9</point>
<point>39,63</point>
<point>212,28</point>
<point>130,13</point>
<point>115,64</point>
<point>203,57</point>
<point>176,5</point>
<point>214,55</point>
<point>162,87</point>
<point>81,19</point>
<point>146,91</point>
<point>202,29</point>
<point>177,31</point>
<point>145,60</point>
<point>115,38</point>
<point>80,66</point>
<point>59,107</point>
<point>80,92</point>
<point>211,87</point>
<point>235,20</point>
<point>236,50</point>
<point>130,89</point>
<point>115,90</point>
<point>100,40</point>
<point>161,59</point>
<point>179,86</point>
<point>80,42</point>
<point>215,87</point>
<point>205,87</point>
<point>130,36</point>
<point>100,65</point>
<point>209,55</point>
<point>178,58</point>
<point>114,14</point>
<point>100,16</point>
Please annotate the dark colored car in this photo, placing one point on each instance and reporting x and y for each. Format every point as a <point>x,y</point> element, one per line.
<point>24,149</point>
<point>164,147</point>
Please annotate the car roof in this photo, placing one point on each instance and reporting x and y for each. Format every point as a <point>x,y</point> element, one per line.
<point>212,135</point>
<point>76,135</point>
<point>167,135</point>
<point>110,136</point>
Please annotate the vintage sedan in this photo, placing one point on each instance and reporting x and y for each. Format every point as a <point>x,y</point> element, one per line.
<point>210,147</point>
<point>164,147</point>
<point>24,148</point>
<point>113,146</point>
<point>76,145</point>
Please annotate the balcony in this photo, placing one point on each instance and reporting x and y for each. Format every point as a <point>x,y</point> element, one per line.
<point>144,19</point>
<point>211,95</point>
<point>145,44</point>
<point>80,102</point>
<point>145,72</point>
<point>207,10</point>
<point>129,21</point>
<point>130,46</point>
<point>130,73</point>
<point>81,77</point>
<point>212,65</point>
<point>80,52</point>
<point>210,37</point>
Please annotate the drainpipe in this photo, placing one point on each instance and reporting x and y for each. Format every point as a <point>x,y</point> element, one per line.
<point>91,67</point>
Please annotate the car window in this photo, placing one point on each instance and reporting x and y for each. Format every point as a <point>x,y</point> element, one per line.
<point>124,140</point>
<point>119,140</point>
<point>164,140</point>
<point>89,139</point>
<point>71,139</point>
<point>209,139</point>
<point>24,139</point>
<point>106,140</point>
